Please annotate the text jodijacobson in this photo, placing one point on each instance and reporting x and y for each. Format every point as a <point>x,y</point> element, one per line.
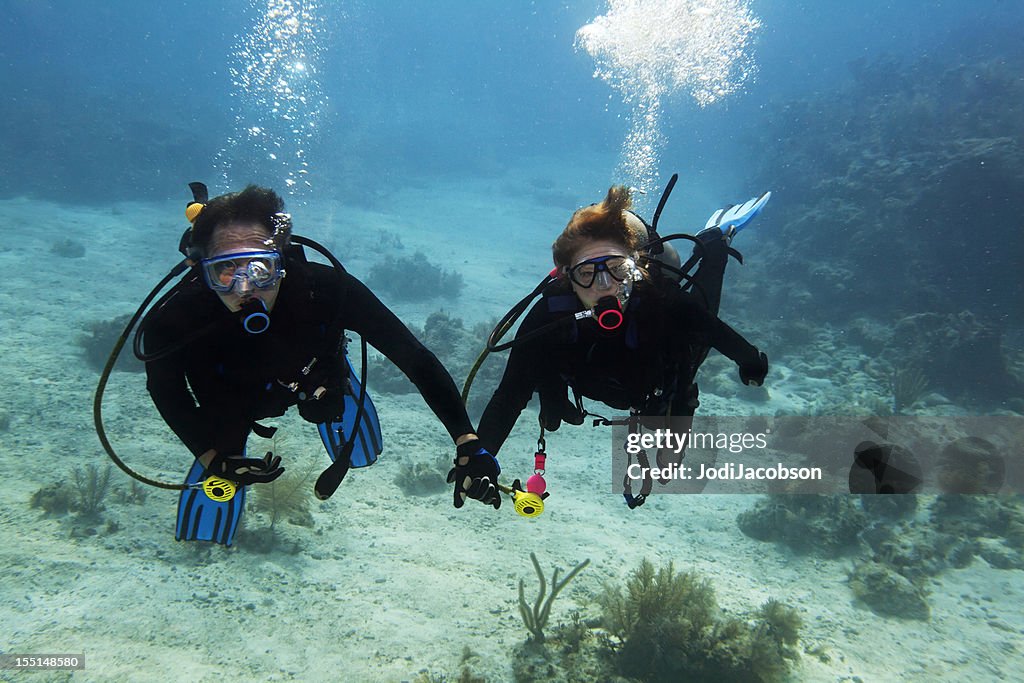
<point>727,472</point>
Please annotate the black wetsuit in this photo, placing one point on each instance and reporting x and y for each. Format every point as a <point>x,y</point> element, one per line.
<point>237,378</point>
<point>648,363</point>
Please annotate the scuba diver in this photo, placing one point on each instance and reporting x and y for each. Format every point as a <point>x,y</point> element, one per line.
<point>621,322</point>
<point>254,328</point>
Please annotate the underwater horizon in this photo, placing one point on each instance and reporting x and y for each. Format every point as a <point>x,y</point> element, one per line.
<point>437,149</point>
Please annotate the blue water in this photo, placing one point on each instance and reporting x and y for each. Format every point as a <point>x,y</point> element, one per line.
<point>889,133</point>
<point>438,87</point>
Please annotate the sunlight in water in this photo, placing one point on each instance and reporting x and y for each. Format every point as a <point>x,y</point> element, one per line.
<point>650,49</point>
<point>277,94</point>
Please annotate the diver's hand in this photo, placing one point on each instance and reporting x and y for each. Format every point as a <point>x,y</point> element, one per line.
<point>475,475</point>
<point>564,411</point>
<point>245,471</point>
<point>328,407</point>
<point>754,373</point>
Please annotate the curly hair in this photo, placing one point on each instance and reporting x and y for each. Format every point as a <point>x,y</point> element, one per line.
<point>254,204</point>
<point>604,221</point>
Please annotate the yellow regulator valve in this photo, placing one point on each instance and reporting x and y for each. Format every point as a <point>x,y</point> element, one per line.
<point>529,503</point>
<point>218,489</point>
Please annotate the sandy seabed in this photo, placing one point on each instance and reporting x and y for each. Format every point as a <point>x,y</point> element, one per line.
<point>383,585</point>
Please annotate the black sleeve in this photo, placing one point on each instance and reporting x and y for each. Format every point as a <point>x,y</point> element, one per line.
<point>366,315</point>
<point>715,333</point>
<point>517,384</point>
<point>167,385</point>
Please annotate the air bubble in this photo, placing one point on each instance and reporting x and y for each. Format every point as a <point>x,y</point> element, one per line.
<point>276,95</point>
<point>649,49</point>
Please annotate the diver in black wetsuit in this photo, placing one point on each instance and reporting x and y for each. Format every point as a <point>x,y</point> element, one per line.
<point>643,344</point>
<point>256,329</point>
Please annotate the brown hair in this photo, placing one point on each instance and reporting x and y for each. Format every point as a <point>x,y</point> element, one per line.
<point>604,221</point>
<point>252,205</point>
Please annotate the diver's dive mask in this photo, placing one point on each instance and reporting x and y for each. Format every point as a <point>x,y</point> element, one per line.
<point>604,269</point>
<point>260,269</point>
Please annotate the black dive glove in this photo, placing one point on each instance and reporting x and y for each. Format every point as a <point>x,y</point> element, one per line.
<point>754,373</point>
<point>475,475</point>
<point>245,471</point>
<point>327,408</point>
<point>564,411</point>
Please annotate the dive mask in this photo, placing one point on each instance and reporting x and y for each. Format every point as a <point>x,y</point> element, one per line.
<point>600,269</point>
<point>261,269</point>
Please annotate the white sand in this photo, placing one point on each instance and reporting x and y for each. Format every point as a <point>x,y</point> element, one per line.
<point>384,585</point>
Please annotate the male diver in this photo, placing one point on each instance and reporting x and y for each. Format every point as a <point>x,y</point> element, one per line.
<point>253,329</point>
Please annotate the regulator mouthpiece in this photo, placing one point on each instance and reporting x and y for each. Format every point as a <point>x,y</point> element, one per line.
<point>255,319</point>
<point>528,503</point>
<point>608,313</point>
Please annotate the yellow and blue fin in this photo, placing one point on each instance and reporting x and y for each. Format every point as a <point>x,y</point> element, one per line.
<point>200,518</point>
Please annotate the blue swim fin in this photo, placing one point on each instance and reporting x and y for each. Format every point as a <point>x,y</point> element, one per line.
<point>201,518</point>
<point>738,215</point>
<point>368,439</point>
